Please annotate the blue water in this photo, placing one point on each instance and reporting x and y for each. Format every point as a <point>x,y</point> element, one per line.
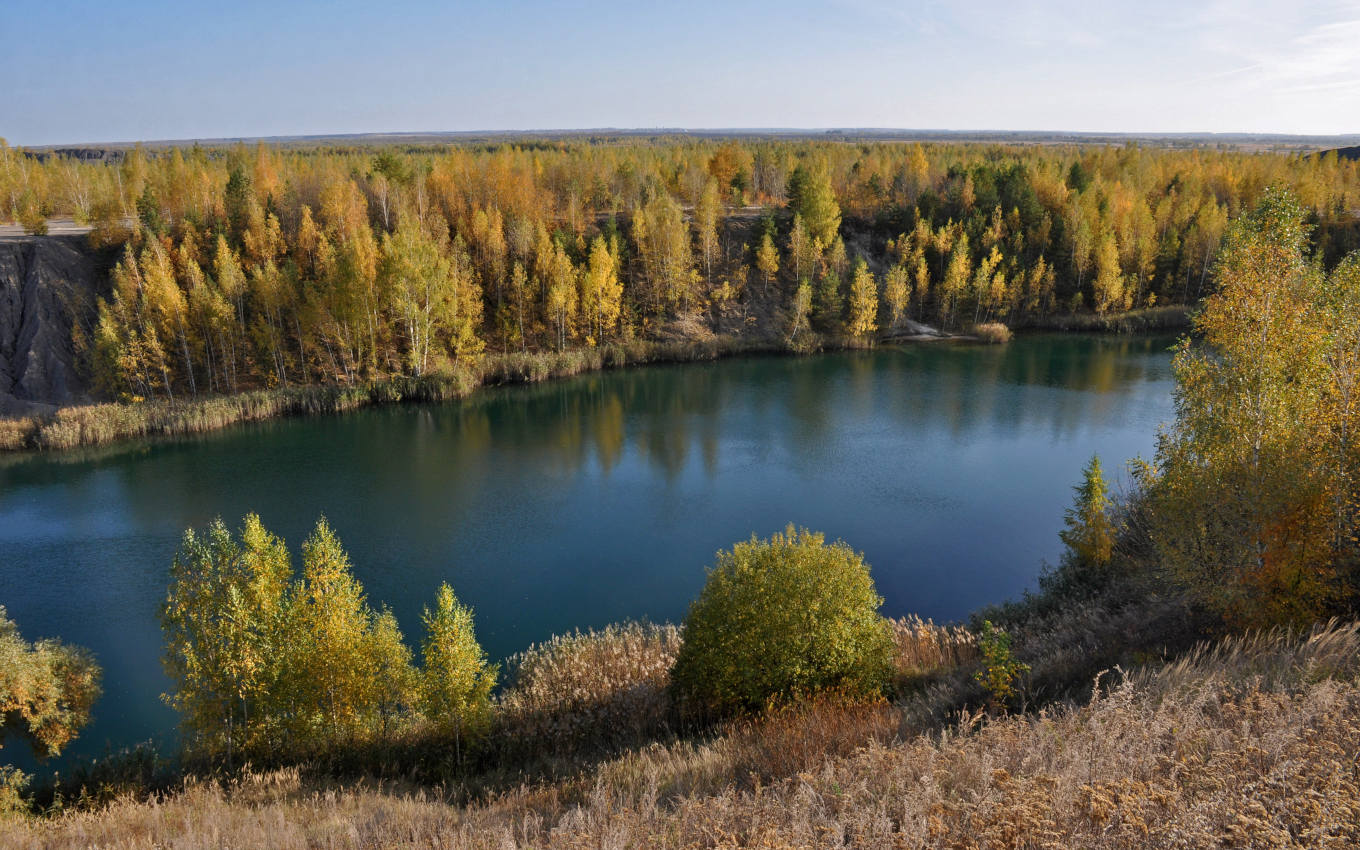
<point>598,499</point>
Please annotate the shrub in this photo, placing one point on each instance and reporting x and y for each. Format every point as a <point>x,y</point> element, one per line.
<point>993,333</point>
<point>780,619</point>
<point>12,785</point>
<point>46,692</point>
<point>31,216</point>
<point>14,433</point>
<point>1000,669</point>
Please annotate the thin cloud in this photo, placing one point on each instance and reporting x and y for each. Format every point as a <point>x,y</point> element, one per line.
<point>1285,47</point>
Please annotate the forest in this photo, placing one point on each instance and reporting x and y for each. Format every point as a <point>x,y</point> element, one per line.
<point>247,268</point>
<point>1090,707</point>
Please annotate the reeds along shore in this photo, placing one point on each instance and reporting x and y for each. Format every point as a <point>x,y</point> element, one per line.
<point>94,425</point>
<point>102,424</point>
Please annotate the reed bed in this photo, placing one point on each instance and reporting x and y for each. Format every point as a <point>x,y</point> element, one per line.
<point>1250,742</point>
<point>923,647</point>
<point>94,425</point>
<point>15,431</point>
<point>1166,319</point>
<point>594,690</point>
<point>102,424</point>
<point>992,333</point>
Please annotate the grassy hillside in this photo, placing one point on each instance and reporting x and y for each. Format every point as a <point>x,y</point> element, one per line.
<point>1251,742</point>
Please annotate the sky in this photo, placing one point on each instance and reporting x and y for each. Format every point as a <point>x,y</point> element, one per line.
<point>143,70</point>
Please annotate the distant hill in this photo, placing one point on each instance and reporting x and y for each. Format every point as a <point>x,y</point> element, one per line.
<point>1348,153</point>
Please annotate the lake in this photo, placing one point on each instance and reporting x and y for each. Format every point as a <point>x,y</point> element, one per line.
<point>598,499</point>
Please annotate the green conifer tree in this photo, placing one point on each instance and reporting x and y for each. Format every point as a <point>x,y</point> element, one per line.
<point>1089,532</point>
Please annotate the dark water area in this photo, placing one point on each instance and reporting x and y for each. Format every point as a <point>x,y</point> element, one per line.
<point>598,499</point>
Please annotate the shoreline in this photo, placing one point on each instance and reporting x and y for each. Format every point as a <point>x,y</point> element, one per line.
<point>103,424</point>
<point>107,423</point>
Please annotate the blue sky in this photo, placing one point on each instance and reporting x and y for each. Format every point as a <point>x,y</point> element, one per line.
<point>78,72</point>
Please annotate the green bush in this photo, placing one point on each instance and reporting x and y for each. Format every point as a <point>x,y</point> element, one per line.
<point>781,619</point>
<point>1000,669</point>
<point>12,801</point>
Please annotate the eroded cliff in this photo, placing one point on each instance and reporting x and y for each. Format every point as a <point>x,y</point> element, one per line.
<point>47,284</point>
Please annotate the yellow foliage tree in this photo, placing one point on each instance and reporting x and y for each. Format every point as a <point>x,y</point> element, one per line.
<point>863,301</point>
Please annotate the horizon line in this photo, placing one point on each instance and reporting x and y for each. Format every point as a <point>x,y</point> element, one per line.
<point>712,131</point>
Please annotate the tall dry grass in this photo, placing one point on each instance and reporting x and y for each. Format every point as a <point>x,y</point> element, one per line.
<point>993,333</point>
<point>1251,743</point>
<point>102,424</point>
<point>1164,319</point>
<point>922,647</point>
<point>15,431</point>
<point>595,690</point>
<point>95,425</point>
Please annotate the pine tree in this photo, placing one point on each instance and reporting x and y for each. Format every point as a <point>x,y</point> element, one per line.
<point>827,303</point>
<point>1089,531</point>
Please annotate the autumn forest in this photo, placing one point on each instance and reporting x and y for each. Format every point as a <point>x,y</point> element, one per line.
<point>254,267</point>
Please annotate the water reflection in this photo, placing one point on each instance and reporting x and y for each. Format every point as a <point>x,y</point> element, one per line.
<point>663,414</point>
<point>584,502</point>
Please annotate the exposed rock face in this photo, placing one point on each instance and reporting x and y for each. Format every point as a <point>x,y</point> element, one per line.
<point>46,283</point>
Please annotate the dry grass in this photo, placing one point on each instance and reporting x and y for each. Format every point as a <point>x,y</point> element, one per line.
<point>594,690</point>
<point>1175,317</point>
<point>101,424</point>
<point>14,432</point>
<point>992,333</point>
<point>923,647</point>
<point>1251,743</point>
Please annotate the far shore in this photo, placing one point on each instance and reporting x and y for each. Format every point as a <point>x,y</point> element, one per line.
<point>104,424</point>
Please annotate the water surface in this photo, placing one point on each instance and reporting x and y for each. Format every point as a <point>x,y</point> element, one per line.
<point>598,499</point>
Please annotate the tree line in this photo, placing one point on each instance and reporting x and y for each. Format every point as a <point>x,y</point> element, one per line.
<point>254,267</point>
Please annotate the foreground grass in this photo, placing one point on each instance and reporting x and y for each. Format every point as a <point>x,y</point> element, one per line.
<point>1250,743</point>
